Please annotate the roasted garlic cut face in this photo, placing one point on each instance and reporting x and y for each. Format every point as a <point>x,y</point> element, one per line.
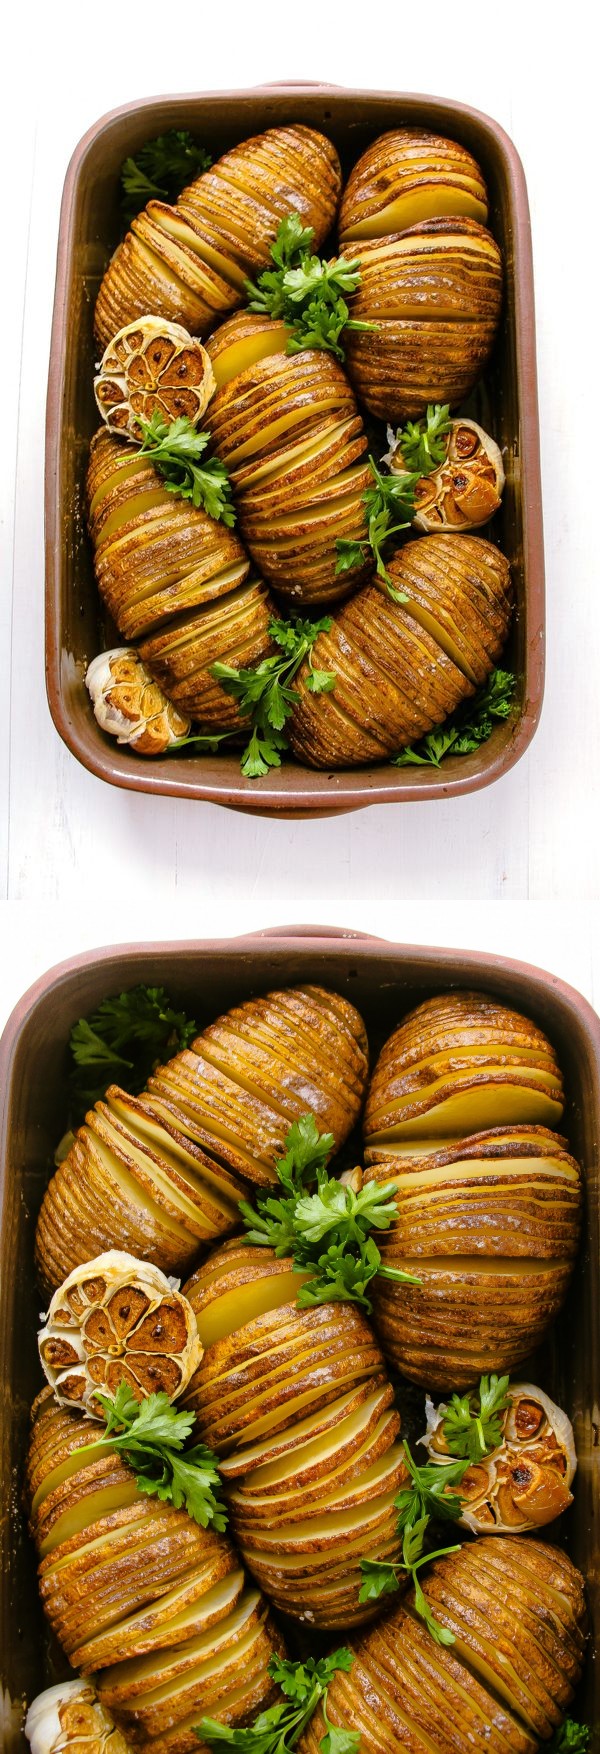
<point>118,1319</point>
<point>152,367</point>
<point>130,705</point>
<point>524,1482</point>
<point>466,489</point>
<point>70,1717</point>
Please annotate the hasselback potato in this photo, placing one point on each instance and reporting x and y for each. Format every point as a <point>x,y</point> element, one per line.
<point>297,1403</point>
<point>164,1172</point>
<point>434,292</point>
<point>517,1611</point>
<point>490,1225</point>
<point>288,430</point>
<point>135,1590</point>
<point>459,1062</point>
<point>189,262</point>
<point>406,176</point>
<point>173,579</point>
<point>400,668</point>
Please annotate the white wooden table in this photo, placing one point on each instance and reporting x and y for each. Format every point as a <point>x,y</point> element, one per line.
<point>68,838</point>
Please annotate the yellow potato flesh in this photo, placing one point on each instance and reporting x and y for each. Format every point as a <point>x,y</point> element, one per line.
<point>188,1207</point>
<point>322,513</point>
<point>177,228</point>
<point>202,1647</point>
<point>326,1486</point>
<point>95,1505</point>
<point>477,1110</point>
<point>495,1071</point>
<point>492,1266</point>
<point>178,1158</point>
<point>485,1050</point>
<point>324,1420</point>
<point>201,1671</point>
<point>244,353</point>
<point>411,209</point>
<point>158,267</point>
<point>101,1543</point>
<point>135,1193</point>
<point>425,1147</point>
<point>443,638</point>
<point>122,473</point>
<point>303,452</point>
<point>73,1465</point>
<point>318,1449</point>
<point>266,435</point>
<point>260,1426</point>
<point>502,1686</point>
<point>341,1522</point>
<point>481,1168</point>
<point>235,1308</point>
<point>216,1602</point>
<point>194,1118</point>
<point>133,508</point>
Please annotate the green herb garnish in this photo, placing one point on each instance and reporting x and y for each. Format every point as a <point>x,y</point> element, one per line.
<point>423,443</point>
<point>160,170</point>
<point>389,507</point>
<point>276,1731</point>
<point>306,293</point>
<point>473,1424</point>
<point>571,1737</point>
<point>464,730</point>
<point>128,1034</point>
<point>150,1435</point>
<point>266,693</point>
<point>175,448</point>
<point>300,1222</point>
<point>427,1497</point>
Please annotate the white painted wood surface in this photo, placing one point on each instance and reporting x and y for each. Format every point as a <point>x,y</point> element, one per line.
<point>68,837</point>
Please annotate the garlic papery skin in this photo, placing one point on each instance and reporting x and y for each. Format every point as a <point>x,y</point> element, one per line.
<point>70,1716</point>
<point>525,1482</point>
<point>129,705</point>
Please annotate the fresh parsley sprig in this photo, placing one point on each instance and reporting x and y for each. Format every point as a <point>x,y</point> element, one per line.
<point>127,1035</point>
<point>427,1497</point>
<point>277,1730</point>
<point>305,292</point>
<point>150,1436</point>
<point>266,693</point>
<point>389,507</point>
<point>175,448</point>
<point>468,727</point>
<point>300,1222</point>
<point>423,444</point>
<point>472,1424</point>
<point>571,1738</point>
<point>160,169</point>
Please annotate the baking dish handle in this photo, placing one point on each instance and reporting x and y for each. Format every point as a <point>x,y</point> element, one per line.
<point>299,85</point>
<point>341,932</point>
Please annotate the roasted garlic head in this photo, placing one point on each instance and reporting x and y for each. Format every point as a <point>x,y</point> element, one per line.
<point>118,1319</point>
<point>70,1716</point>
<point>152,367</point>
<point>525,1481</point>
<point>130,705</point>
<point>466,489</point>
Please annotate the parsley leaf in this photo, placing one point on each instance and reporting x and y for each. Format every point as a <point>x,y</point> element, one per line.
<point>160,170</point>
<point>423,444</point>
<point>381,1580</point>
<point>129,1033</point>
<point>299,1223</point>
<point>465,729</point>
<point>306,293</point>
<point>266,693</point>
<point>277,1730</point>
<point>571,1736</point>
<point>473,1424</point>
<point>150,1435</point>
<point>389,506</point>
<point>427,1494</point>
<point>175,447</point>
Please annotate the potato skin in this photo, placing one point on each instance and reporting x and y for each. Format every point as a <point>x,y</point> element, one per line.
<point>410,166</point>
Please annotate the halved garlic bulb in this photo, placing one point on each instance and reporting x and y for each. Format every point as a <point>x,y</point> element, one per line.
<point>150,367</point>
<point>466,489</point>
<point>130,705</point>
<point>525,1481</point>
<point>70,1716</point>
<point>118,1319</point>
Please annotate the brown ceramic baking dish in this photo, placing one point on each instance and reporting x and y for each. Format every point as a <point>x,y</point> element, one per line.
<point>89,230</point>
<point>383,980</point>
